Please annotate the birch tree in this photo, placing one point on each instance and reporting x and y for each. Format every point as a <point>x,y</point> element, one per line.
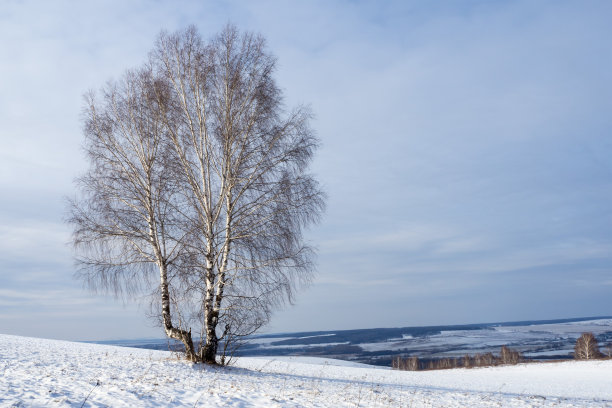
<point>586,347</point>
<point>127,223</point>
<point>201,173</point>
<point>243,168</point>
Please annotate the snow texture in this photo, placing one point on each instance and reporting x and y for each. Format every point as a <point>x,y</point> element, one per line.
<point>38,372</point>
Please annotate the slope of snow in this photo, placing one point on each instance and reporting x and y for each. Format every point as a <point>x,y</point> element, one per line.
<point>37,372</point>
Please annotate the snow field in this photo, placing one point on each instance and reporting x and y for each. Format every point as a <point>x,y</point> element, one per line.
<point>38,372</point>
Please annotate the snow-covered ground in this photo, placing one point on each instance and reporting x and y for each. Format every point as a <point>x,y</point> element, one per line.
<point>38,372</point>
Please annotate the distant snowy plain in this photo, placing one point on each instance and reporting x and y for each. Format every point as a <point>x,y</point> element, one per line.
<point>534,340</point>
<point>39,372</point>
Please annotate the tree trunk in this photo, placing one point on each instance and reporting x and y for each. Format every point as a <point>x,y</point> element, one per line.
<point>211,317</point>
<point>209,353</point>
<point>213,308</point>
<point>183,336</point>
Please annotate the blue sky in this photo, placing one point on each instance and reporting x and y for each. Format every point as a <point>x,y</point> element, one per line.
<point>466,151</point>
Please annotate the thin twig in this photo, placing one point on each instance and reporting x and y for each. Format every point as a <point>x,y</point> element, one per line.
<point>87,397</point>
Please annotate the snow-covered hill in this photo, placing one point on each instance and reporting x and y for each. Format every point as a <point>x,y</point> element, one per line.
<point>38,372</point>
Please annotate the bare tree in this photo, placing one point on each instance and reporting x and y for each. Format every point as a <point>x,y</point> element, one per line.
<point>125,223</point>
<point>466,361</point>
<point>406,364</point>
<point>509,356</point>
<point>242,168</point>
<point>196,169</point>
<point>586,347</point>
<point>413,364</point>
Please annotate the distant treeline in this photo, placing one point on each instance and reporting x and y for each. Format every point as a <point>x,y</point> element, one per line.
<point>586,348</point>
<point>506,356</point>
